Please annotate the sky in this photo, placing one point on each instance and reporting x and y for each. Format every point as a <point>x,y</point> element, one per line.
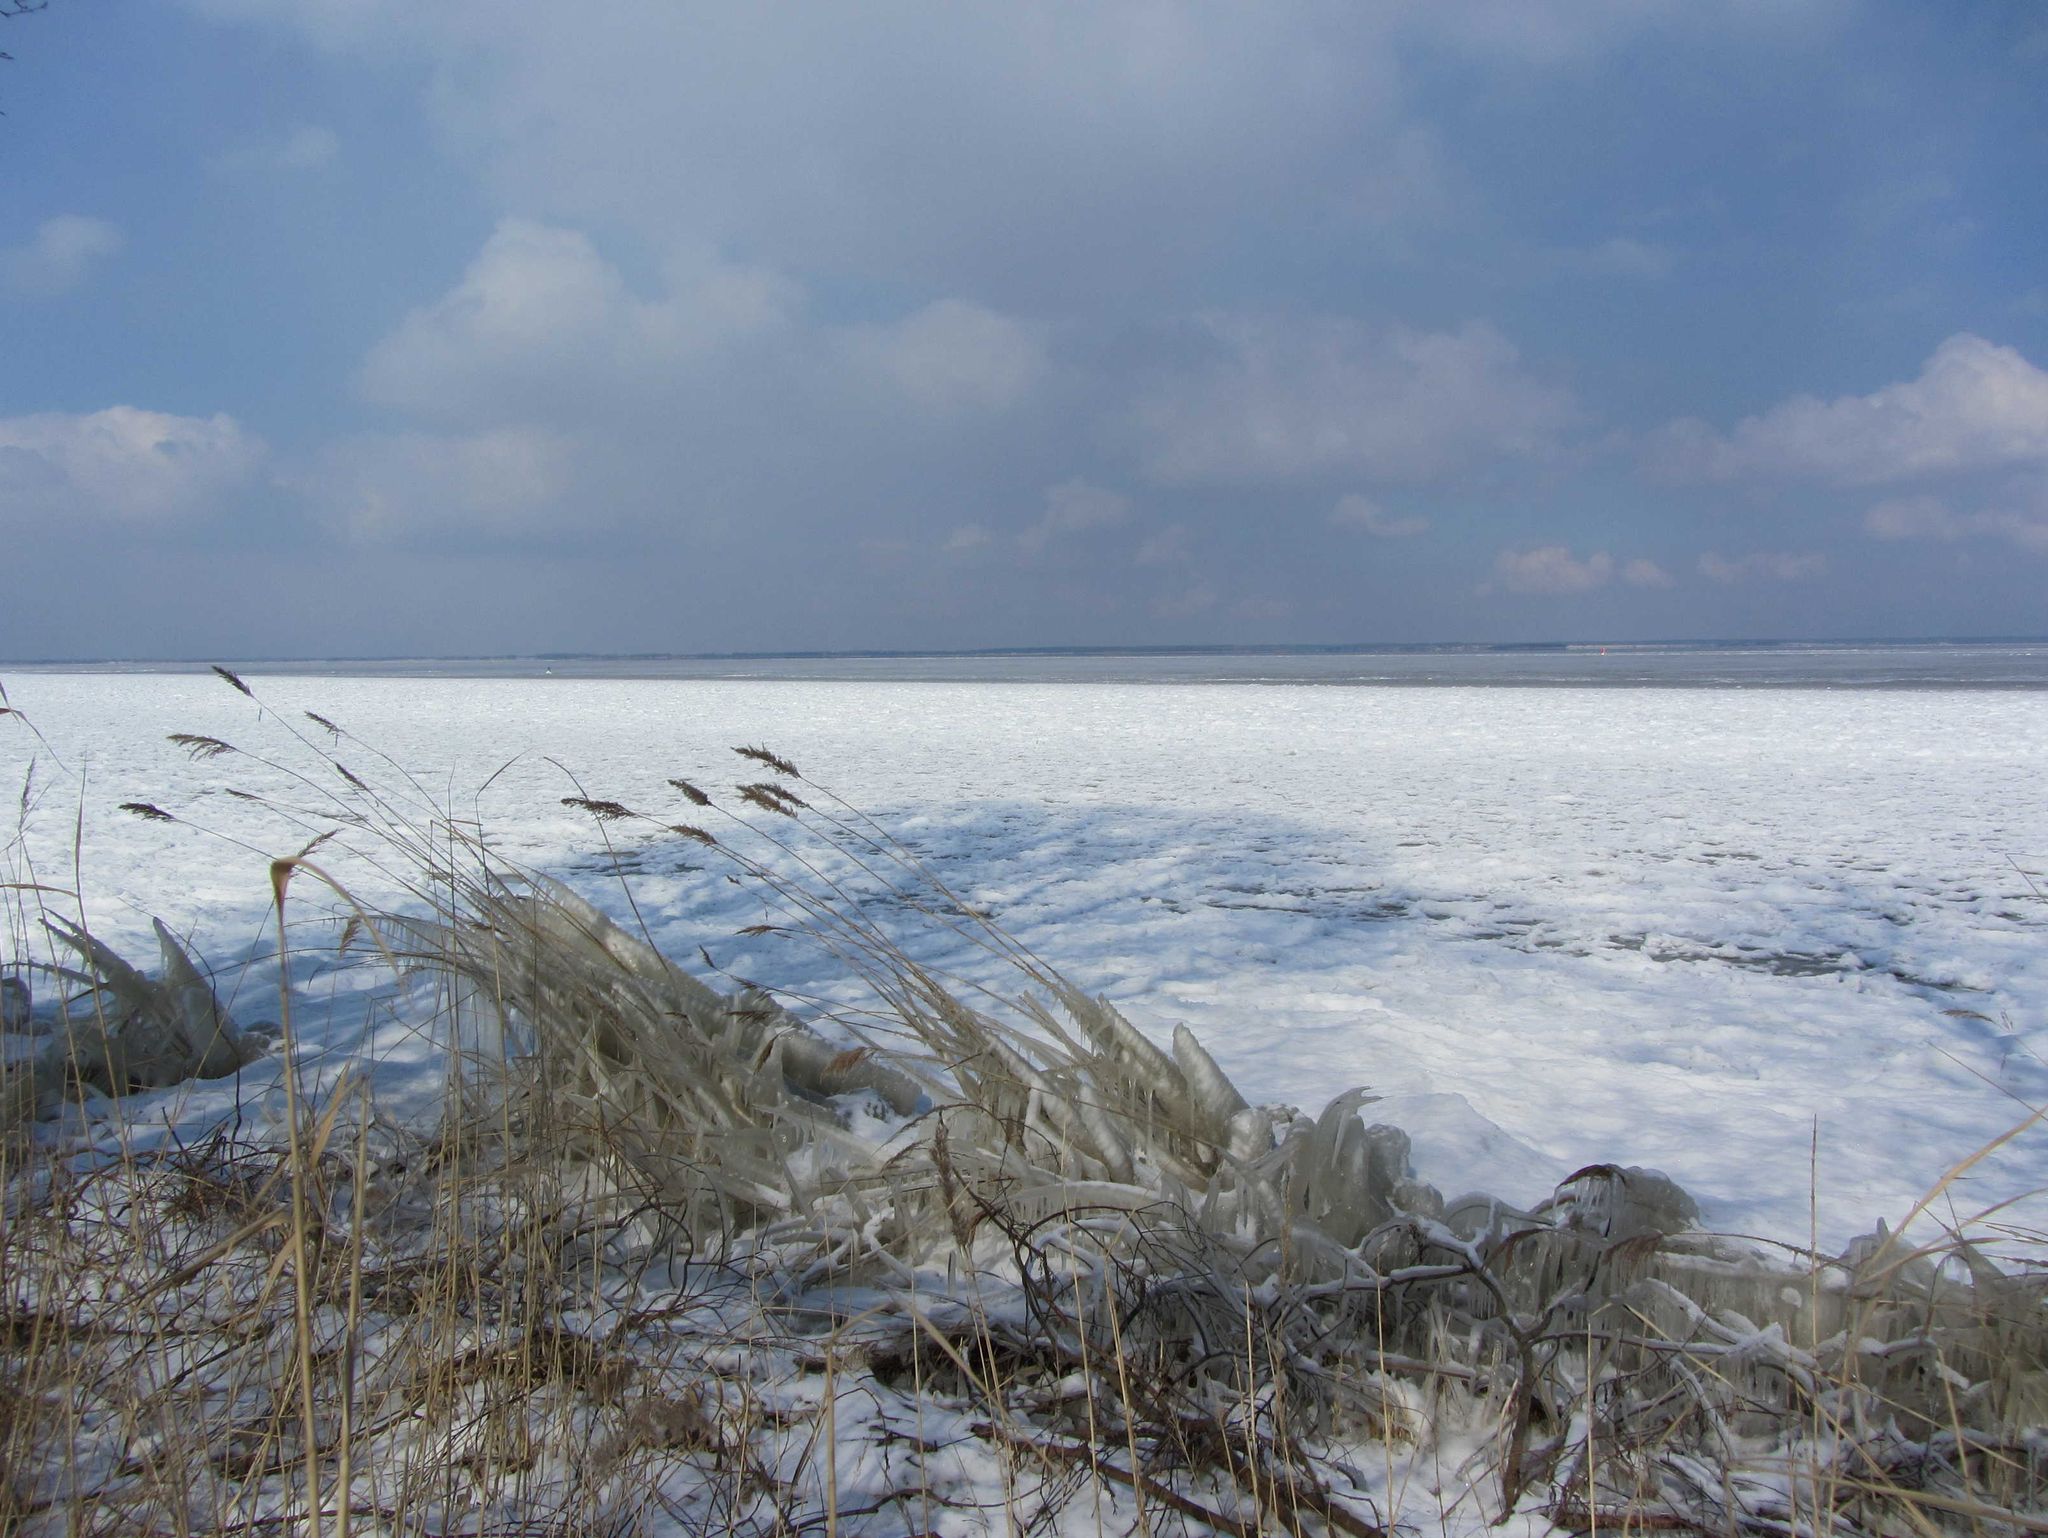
<point>462,327</point>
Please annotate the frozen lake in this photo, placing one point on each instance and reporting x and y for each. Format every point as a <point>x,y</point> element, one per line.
<point>1785,943</point>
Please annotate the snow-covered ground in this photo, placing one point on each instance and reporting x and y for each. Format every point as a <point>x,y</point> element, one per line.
<point>1785,945</point>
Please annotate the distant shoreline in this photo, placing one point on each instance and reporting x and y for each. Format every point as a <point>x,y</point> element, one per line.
<point>1962,663</point>
<point>1287,649</point>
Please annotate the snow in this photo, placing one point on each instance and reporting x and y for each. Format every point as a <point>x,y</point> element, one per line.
<point>1784,945</point>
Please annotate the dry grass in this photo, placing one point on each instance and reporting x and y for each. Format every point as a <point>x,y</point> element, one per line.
<point>672,1260</point>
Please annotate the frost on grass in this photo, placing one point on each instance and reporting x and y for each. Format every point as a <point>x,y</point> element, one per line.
<point>967,1259</point>
<point>124,1031</point>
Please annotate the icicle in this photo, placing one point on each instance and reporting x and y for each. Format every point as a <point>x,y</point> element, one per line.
<point>216,1043</point>
<point>1251,1134</point>
<point>1213,1101</point>
<point>1101,1130</point>
<point>815,1066</point>
<point>1127,1047</point>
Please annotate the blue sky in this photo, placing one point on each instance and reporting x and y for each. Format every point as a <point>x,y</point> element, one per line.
<point>352,327</point>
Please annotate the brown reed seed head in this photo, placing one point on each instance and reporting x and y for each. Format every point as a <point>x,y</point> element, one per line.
<point>234,679</point>
<point>690,792</point>
<point>147,811</point>
<point>775,761</point>
<point>769,798</point>
<point>603,811</point>
<point>201,747</point>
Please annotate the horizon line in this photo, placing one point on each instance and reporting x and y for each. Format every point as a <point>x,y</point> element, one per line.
<point>1182,649</point>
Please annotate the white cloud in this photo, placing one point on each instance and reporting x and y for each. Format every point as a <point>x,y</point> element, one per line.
<point>1165,547</point>
<point>1914,518</point>
<point>968,539</point>
<point>1522,33</point>
<point>122,464</point>
<point>1356,512</point>
<point>333,23</point>
<point>1196,598</point>
<point>1975,407</point>
<point>540,318</point>
<point>388,488</point>
<point>1763,566</point>
<point>1552,570</point>
<point>541,326</point>
<point>2021,520</point>
<point>953,356</point>
<point>1622,256</point>
<point>1646,573</point>
<point>1286,399</point>
<point>307,147</point>
<point>59,256</point>
<point>1074,507</point>
<point>1409,184</point>
<point>1262,610</point>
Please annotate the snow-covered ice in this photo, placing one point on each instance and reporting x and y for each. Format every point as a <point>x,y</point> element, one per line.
<point>1785,945</point>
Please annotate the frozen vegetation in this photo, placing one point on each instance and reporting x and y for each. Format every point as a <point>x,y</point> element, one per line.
<point>991,1209</point>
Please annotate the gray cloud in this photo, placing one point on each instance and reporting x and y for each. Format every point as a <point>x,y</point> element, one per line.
<point>1074,507</point>
<point>952,147</point>
<point>395,488</point>
<point>1289,399</point>
<point>2019,518</point>
<point>1018,155</point>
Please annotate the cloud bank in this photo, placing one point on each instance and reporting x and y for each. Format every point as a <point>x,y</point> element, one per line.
<point>1974,407</point>
<point>144,469</point>
<point>1284,399</point>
